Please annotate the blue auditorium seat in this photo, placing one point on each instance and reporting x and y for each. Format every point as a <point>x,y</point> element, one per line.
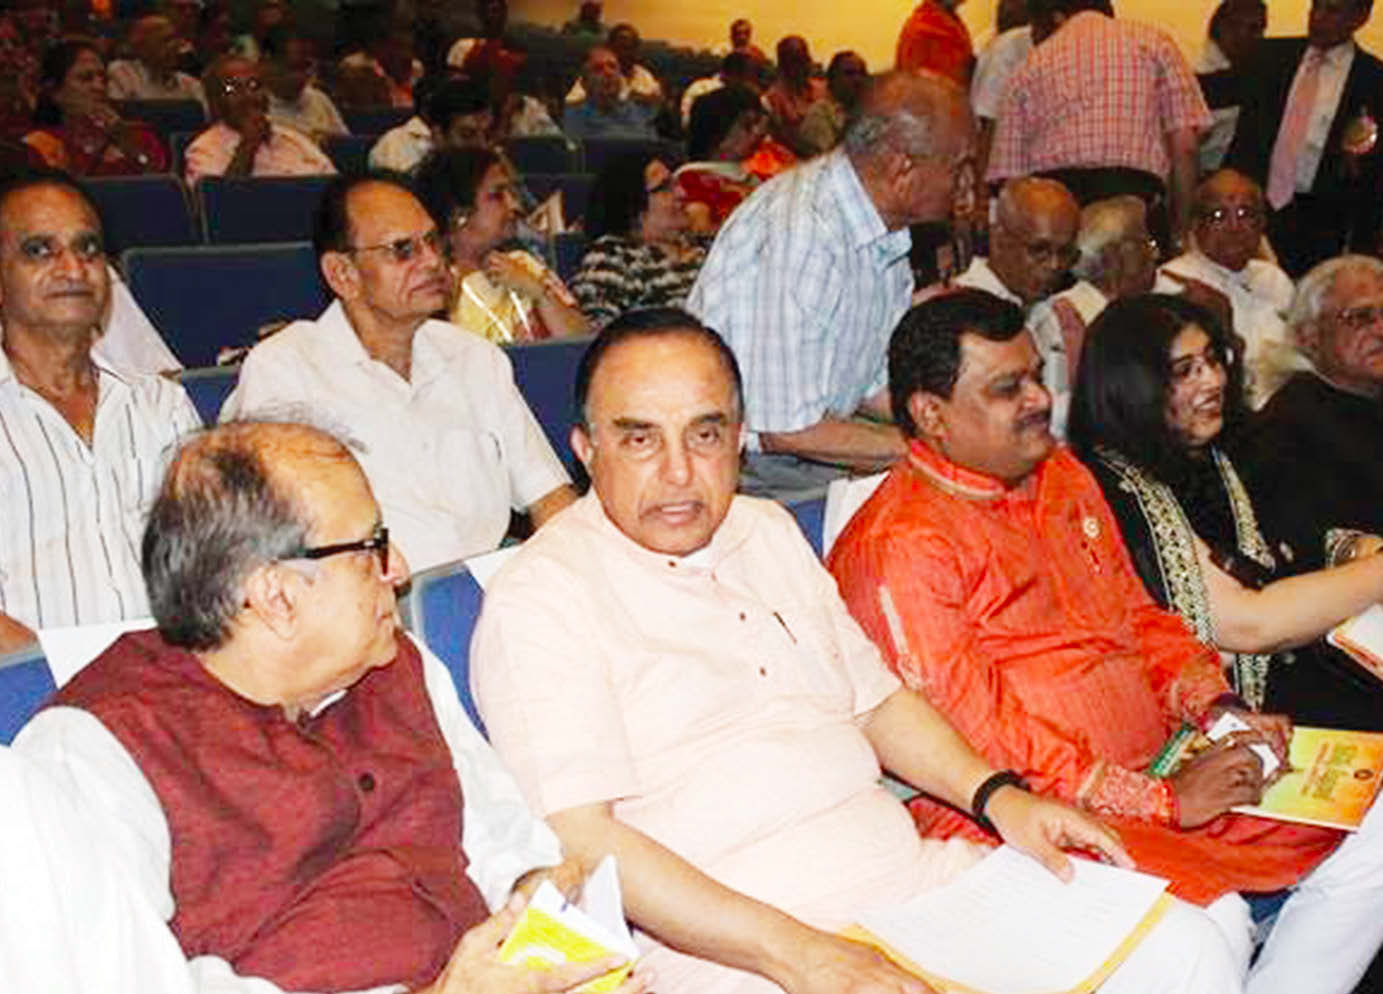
<point>350,153</point>
<point>25,683</point>
<point>570,247</point>
<point>165,116</point>
<point>811,518</point>
<point>597,153</point>
<point>541,154</point>
<point>375,120</point>
<point>209,389</point>
<point>142,210</point>
<point>207,297</point>
<point>575,187</point>
<point>259,209</point>
<point>546,373</point>
<point>441,608</point>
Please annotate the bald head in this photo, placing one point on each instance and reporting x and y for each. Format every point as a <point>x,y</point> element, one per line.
<point>1033,240</point>
<point>908,142</point>
<point>1229,218</point>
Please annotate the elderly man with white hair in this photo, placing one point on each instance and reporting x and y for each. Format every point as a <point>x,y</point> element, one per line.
<point>1313,457</point>
<point>1117,258</point>
<point>1229,217</point>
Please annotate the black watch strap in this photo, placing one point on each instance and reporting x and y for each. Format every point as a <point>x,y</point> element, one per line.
<point>1004,778</point>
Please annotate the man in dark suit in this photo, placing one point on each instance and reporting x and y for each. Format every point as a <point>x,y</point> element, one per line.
<point>1308,133</point>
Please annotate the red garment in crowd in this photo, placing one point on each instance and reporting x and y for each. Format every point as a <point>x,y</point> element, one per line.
<point>935,38</point>
<point>61,149</point>
<point>1018,614</point>
<point>323,854</point>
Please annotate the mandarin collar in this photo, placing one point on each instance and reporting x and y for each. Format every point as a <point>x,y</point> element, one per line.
<point>967,484</point>
<point>732,533</point>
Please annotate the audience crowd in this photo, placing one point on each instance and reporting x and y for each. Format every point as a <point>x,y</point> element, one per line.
<point>894,296</point>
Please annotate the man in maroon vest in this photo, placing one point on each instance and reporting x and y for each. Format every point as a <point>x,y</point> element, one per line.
<point>292,783</point>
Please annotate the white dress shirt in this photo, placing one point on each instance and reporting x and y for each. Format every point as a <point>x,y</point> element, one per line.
<point>403,147</point>
<point>500,836</point>
<point>1058,369</point>
<point>639,83</point>
<point>71,513</point>
<point>312,113</point>
<point>128,79</point>
<point>995,66</point>
<point>284,153</point>
<point>1216,139</point>
<point>448,452</point>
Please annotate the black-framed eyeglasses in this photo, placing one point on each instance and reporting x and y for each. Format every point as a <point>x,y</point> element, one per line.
<point>378,542</point>
<point>407,249</point>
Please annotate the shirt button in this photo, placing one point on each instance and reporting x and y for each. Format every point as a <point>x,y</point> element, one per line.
<point>762,671</point>
<point>367,782</point>
<point>742,616</point>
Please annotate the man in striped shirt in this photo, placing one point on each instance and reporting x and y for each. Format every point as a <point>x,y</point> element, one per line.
<point>82,443</point>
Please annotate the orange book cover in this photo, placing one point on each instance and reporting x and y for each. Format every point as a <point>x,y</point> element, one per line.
<point>1333,780</point>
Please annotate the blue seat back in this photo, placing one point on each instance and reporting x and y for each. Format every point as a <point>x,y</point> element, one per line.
<point>259,209</point>
<point>350,153</point>
<point>575,187</point>
<point>541,154</point>
<point>545,373</point>
<point>811,518</point>
<point>143,210</point>
<point>207,297</point>
<point>177,150</point>
<point>165,116</point>
<point>570,247</point>
<point>375,120</point>
<point>597,153</point>
<point>25,683</point>
<point>209,389</point>
<point>442,607</point>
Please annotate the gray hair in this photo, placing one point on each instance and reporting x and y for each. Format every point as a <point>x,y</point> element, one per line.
<point>1103,223</point>
<point>221,512</point>
<point>1308,304</point>
<point>898,130</point>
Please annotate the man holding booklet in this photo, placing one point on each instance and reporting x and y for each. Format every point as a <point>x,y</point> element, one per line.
<point>989,569</point>
<point>673,679</point>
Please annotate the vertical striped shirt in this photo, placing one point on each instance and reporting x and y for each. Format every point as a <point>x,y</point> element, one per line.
<point>71,514</point>
<point>806,285</point>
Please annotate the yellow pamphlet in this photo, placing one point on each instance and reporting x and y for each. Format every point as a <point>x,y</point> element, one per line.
<point>1333,780</point>
<point>552,930</point>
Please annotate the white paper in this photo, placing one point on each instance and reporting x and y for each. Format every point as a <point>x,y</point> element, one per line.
<point>599,915</point>
<point>69,649</point>
<point>843,498</point>
<point>1365,628</point>
<point>1229,723</point>
<point>1053,935</point>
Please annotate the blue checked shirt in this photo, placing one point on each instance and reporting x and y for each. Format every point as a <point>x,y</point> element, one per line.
<point>806,285</point>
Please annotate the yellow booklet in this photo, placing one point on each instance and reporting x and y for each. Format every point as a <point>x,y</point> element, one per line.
<point>552,930</point>
<point>1057,938</point>
<point>1333,780</point>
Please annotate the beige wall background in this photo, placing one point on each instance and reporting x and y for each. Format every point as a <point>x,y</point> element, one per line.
<point>870,27</point>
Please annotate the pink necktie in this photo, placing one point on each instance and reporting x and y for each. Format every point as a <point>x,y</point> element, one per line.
<point>1291,136</point>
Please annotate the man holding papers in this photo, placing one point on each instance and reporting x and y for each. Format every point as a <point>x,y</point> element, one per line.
<point>673,679</point>
<point>275,771</point>
<point>989,569</point>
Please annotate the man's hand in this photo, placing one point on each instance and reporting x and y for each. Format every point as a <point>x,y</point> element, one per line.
<point>254,129</point>
<point>1226,775</point>
<point>1042,828</point>
<point>567,876</point>
<point>505,272</point>
<point>13,635</point>
<point>831,965</point>
<point>475,968</point>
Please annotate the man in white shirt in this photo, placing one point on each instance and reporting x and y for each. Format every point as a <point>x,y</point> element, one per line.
<point>282,776</point>
<point>1228,220</point>
<point>152,73</point>
<point>455,112</point>
<point>635,81</point>
<point>293,101</point>
<point>450,447</point>
<point>83,440</point>
<point>1307,132</point>
<point>1032,242</point>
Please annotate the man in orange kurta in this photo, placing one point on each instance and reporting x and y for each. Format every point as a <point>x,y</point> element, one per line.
<point>991,573</point>
<point>934,38</point>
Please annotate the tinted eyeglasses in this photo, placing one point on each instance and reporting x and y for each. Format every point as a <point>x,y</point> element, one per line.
<point>1244,214</point>
<point>407,249</point>
<point>1358,318</point>
<point>232,85</point>
<point>378,542</point>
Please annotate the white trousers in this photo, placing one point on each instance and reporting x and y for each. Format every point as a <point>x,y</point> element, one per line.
<point>1332,925</point>
<point>1185,953</point>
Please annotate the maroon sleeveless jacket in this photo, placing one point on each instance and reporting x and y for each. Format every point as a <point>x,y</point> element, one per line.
<point>323,854</point>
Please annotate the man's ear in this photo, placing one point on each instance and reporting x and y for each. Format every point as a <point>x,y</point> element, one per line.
<point>273,594</point>
<point>925,409</point>
<point>581,445</point>
<point>341,275</point>
<point>1308,338</point>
